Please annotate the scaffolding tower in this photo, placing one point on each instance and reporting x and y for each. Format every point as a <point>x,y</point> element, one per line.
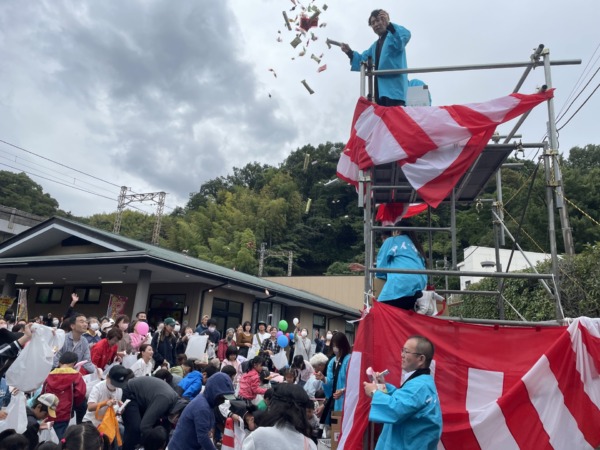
<point>386,183</point>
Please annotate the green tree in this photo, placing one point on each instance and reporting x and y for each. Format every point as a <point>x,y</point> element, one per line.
<point>19,191</point>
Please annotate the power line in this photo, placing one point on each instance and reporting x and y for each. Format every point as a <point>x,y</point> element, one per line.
<point>580,92</point>
<point>58,182</point>
<point>579,109</point>
<point>584,73</point>
<point>71,186</point>
<point>70,168</point>
<point>52,174</point>
<point>60,164</point>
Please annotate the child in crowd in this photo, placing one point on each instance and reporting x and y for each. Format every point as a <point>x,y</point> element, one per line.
<point>67,384</point>
<point>302,369</point>
<point>250,381</point>
<point>289,376</point>
<point>84,436</point>
<point>178,369</point>
<point>191,384</point>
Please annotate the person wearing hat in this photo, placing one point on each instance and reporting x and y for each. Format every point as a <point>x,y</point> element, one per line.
<point>259,337</point>
<point>164,343</point>
<point>105,325</point>
<point>285,424</point>
<point>197,420</point>
<point>105,395</point>
<point>150,401</point>
<point>44,407</point>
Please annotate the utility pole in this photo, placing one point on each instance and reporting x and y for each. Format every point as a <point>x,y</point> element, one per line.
<point>556,182</point>
<point>125,199</point>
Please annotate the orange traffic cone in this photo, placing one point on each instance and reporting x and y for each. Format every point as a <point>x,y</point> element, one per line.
<point>228,442</point>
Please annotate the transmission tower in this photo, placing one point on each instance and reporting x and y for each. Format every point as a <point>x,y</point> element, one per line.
<point>125,199</point>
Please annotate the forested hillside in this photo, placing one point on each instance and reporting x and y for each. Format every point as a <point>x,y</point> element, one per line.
<point>295,206</point>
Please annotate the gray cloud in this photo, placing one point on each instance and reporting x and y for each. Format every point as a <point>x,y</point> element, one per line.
<point>160,84</point>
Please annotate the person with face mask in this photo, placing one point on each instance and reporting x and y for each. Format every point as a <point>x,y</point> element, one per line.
<point>93,335</point>
<point>194,428</point>
<point>327,350</point>
<point>139,335</point>
<point>225,343</point>
<point>164,344</point>
<point>122,323</point>
<point>303,345</point>
<point>213,334</point>
<point>151,401</point>
<point>334,383</point>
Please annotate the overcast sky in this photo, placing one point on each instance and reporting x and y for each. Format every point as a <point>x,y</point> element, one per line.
<point>165,95</point>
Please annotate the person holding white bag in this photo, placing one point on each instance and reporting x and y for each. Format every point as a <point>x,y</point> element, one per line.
<point>10,350</point>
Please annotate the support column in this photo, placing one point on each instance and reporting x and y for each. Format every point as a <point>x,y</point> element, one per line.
<point>141,292</point>
<point>9,288</point>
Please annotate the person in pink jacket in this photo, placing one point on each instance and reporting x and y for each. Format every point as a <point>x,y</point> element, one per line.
<point>250,381</point>
<point>139,335</point>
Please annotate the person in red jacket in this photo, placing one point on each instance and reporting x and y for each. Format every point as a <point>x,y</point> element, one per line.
<point>250,381</point>
<point>105,351</point>
<point>67,384</point>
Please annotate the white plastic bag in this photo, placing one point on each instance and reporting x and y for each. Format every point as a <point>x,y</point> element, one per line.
<point>107,369</point>
<point>17,414</point>
<point>90,380</point>
<point>48,435</point>
<point>129,360</point>
<point>196,347</point>
<point>239,434</point>
<point>34,363</point>
<point>280,360</point>
<point>57,340</point>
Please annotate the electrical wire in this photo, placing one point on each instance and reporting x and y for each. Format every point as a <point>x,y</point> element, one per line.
<point>60,164</point>
<point>584,73</point>
<point>577,96</point>
<point>52,173</point>
<point>58,182</point>
<point>74,169</point>
<point>579,109</point>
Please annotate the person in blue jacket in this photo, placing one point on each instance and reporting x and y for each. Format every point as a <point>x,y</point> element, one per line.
<point>387,52</point>
<point>191,384</point>
<point>194,428</point>
<point>411,414</point>
<point>334,383</point>
<point>401,251</point>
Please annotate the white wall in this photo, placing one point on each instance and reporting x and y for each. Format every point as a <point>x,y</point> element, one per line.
<point>475,255</point>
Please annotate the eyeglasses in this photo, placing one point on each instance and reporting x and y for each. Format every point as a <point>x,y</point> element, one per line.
<point>405,351</point>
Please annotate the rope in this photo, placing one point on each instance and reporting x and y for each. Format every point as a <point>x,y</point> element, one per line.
<point>525,232</point>
<point>580,210</point>
<point>523,185</point>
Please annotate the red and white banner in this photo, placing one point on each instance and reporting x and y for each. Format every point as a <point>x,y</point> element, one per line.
<point>434,145</point>
<point>390,213</point>
<point>499,387</point>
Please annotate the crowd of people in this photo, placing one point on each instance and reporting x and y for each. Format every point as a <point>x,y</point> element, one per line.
<point>162,397</point>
